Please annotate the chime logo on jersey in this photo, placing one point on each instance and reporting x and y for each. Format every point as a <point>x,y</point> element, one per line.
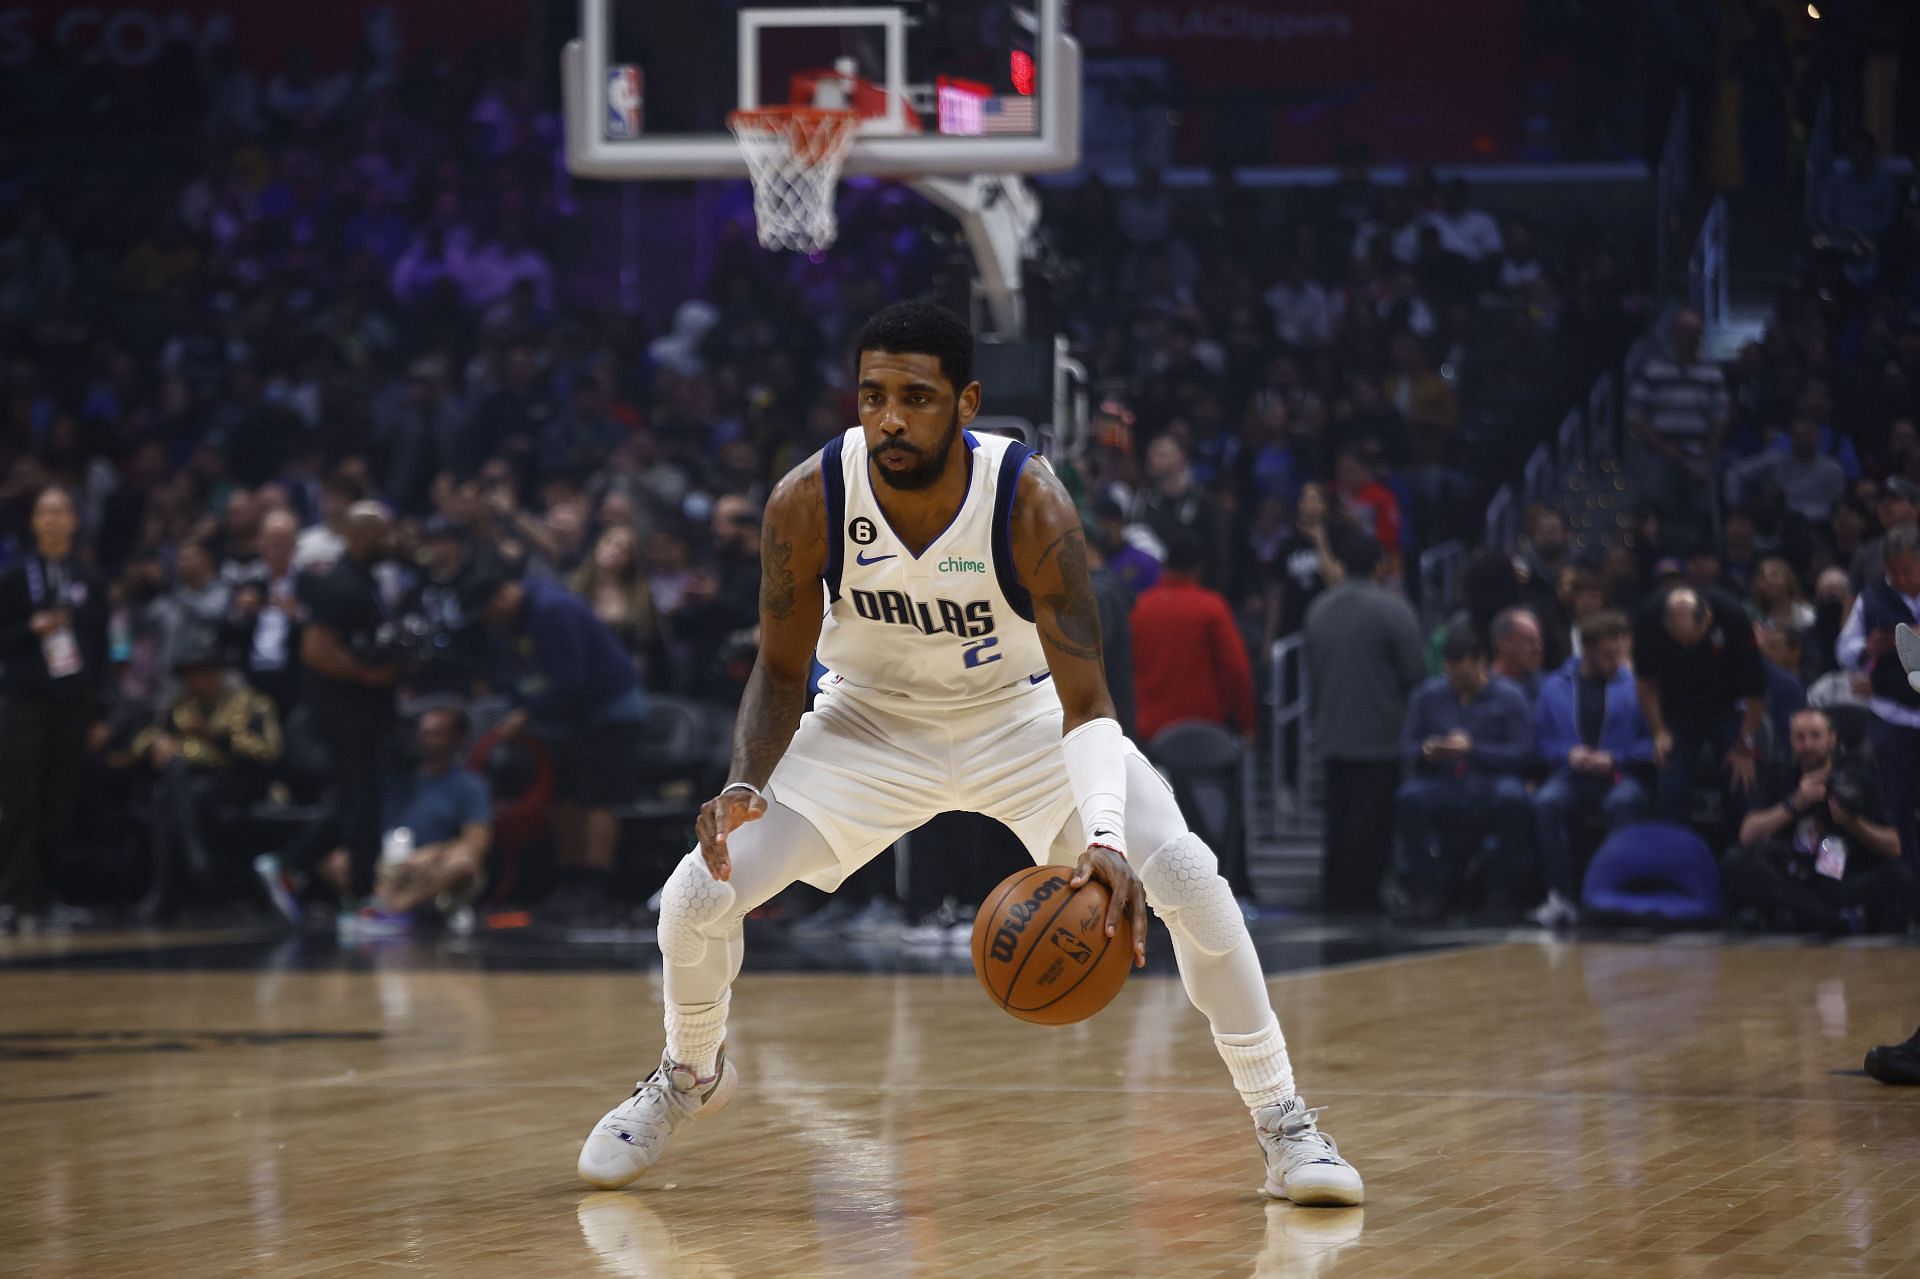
<point>953,565</point>
<point>969,621</point>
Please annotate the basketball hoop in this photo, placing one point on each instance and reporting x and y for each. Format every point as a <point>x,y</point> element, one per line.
<point>794,156</point>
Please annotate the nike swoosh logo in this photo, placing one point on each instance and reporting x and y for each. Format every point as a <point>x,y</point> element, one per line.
<point>861,559</point>
<point>1043,675</point>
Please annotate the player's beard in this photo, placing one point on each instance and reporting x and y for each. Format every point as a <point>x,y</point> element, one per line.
<point>929,467</point>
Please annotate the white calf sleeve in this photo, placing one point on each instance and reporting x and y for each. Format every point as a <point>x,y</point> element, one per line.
<point>1259,1065</point>
<point>1218,964</point>
<point>692,904</point>
<point>694,1036</point>
<point>700,933</point>
<point>1185,889</point>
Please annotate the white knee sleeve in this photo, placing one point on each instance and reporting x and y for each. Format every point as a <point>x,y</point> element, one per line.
<point>1185,889</point>
<point>692,902</point>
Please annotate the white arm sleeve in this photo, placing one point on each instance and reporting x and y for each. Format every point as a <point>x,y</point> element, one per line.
<point>1097,774</point>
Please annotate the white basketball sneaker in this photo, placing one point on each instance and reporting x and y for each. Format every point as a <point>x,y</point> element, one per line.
<point>630,1138</point>
<point>1303,1164</point>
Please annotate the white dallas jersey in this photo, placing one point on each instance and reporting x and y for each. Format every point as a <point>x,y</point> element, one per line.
<point>949,627</point>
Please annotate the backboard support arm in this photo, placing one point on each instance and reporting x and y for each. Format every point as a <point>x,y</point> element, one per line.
<point>998,213</point>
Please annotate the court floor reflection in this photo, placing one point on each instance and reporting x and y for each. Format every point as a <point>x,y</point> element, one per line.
<point>630,1238</point>
<point>1538,1109</point>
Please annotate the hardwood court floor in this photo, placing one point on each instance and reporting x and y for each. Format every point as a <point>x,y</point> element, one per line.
<point>1619,1109</point>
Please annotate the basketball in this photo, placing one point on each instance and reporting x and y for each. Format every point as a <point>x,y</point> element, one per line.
<point>1041,949</point>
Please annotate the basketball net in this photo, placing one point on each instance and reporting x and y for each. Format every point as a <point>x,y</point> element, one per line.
<point>794,155</point>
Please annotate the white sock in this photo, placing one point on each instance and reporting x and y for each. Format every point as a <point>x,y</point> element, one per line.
<point>1259,1065</point>
<point>694,1035</point>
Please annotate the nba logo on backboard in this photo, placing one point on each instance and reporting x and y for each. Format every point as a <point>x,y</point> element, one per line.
<point>623,102</point>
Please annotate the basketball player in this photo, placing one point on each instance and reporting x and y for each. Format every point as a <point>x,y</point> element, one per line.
<point>1900,1063</point>
<point>942,579</point>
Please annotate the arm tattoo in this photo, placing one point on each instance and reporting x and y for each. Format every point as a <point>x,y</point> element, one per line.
<point>772,703</point>
<point>777,584</point>
<point>776,575</point>
<point>1076,612</point>
<point>770,711</point>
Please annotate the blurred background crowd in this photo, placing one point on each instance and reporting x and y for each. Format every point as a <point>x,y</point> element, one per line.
<point>357,550</point>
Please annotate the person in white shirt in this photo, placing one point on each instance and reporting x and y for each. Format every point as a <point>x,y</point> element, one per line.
<point>1302,311</point>
<point>1397,223</point>
<point>319,546</point>
<point>1471,233</point>
<point>266,610</point>
<point>490,274</point>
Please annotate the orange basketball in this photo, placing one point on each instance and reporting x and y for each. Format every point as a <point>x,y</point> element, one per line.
<point>1041,948</point>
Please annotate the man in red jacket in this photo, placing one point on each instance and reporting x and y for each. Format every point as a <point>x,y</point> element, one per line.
<point>1189,661</point>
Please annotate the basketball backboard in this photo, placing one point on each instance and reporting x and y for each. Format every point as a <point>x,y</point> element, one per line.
<point>946,87</point>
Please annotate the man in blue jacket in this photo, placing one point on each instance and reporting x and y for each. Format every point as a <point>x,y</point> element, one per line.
<point>1594,738</point>
<point>1467,742</point>
<point>578,689</point>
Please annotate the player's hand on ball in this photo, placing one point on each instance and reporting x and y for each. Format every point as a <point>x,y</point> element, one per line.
<point>1125,896</point>
<point>720,816</point>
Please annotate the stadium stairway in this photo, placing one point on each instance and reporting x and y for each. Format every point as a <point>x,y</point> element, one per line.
<point>1285,846</point>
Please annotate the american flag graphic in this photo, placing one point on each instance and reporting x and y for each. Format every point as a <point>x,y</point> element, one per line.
<point>1008,114</point>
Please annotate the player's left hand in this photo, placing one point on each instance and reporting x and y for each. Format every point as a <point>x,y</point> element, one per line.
<point>1125,896</point>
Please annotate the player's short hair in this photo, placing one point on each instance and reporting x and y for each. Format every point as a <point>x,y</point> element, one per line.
<point>921,328</point>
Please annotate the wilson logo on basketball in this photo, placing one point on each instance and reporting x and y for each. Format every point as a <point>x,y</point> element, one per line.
<point>951,565</point>
<point>1007,936</point>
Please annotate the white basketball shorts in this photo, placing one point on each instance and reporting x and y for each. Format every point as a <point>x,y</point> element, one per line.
<point>864,774</point>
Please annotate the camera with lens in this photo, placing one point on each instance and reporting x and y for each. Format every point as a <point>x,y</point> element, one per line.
<point>407,642</point>
<point>1846,790</point>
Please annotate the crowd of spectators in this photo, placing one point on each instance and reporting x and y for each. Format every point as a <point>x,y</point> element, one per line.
<point>1727,664</point>
<point>300,441</point>
<point>338,448</point>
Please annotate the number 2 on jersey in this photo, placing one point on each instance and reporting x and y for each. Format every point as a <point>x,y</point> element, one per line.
<point>977,654</point>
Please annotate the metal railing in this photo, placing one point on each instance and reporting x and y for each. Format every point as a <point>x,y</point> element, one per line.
<point>1709,272</point>
<point>1587,436</point>
<point>1440,579</point>
<point>1503,522</point>
<point>1289,778</point>
<point>1603,419</point>
<point>1537,482</point>
<point>1570,442</point>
